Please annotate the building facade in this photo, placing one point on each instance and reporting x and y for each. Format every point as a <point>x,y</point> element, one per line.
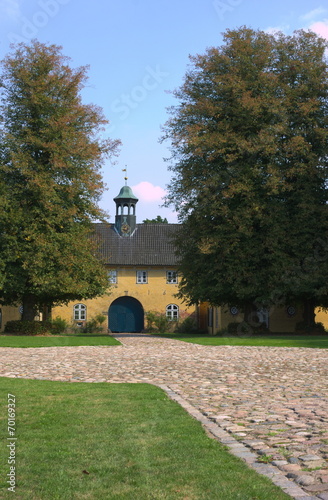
<point>277,319</point>
<point>143,277</point>
<point>142,272</point>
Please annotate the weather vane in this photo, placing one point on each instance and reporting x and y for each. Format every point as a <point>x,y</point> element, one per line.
<point>125,178</point>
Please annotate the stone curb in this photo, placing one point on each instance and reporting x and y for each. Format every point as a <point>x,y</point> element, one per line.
<point>240,450</point>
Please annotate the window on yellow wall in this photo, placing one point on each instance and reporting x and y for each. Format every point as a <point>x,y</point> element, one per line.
<point>171,277</point>
<point>172,312</point>
<point>112,276</point>
<point>80,312</point>
<point>142,277</point>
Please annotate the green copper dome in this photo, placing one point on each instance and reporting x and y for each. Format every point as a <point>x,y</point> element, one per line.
<point>125,193</point>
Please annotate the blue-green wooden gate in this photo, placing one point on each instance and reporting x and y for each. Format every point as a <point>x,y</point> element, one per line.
<point>126,314</point>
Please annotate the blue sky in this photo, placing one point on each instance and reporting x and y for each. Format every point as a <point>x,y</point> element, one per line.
<point>138,50</point>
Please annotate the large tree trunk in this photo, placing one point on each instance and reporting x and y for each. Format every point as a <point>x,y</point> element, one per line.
<point>46,313</point>
<point>250,314</point>
<point>30,308</point>
<point>246,327</point>
<point>308,312</point>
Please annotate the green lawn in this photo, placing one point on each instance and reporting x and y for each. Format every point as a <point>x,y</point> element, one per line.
<point>116,441</point>
<point>272,340</point>
<point>54,341</point>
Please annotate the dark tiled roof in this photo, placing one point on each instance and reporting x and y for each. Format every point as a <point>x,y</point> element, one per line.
<point>149,245</point>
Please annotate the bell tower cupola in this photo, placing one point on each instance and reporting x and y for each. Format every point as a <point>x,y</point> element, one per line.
<point>125,219</point>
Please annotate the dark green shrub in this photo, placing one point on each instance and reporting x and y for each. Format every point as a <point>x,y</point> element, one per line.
<point>233,327</point>
<point>188,325</point>
<point>27,327</point>
<point>19,327</point>
<point>303,327</point>
<point>94,325</point>
<point>163,323</point>
<point>150,318</point>
<point>57,325</point>
<point>158,322</point>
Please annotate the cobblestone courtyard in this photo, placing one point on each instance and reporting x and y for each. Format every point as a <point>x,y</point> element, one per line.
<point>273,400</point>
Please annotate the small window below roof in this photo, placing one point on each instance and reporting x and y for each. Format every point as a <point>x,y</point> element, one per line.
<point>142,277</point>
<point>171,277</point>
<point>112,276</point>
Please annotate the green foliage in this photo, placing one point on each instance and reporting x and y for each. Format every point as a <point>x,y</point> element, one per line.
<point>159,322</point>
<point>150,318</point>
<point>27,327</point>
<point>157,220</point>
<point>100,318</point>
<point>265,459</point>
<point>249,160</point>
<point>56,326</point>
<point>233,327</point>
<point>304,327</point>
<point>50,181</point>
<point>188,325</point>
<point>94,325</point>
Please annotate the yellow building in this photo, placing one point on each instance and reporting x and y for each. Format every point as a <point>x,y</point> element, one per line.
<point>142,272</point>
<point>142,276</point>
<point>276,319</point>
<point>8,313</point>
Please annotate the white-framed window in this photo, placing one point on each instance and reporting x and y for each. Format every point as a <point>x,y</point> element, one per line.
<point>172,312</point>
<point>80,312</point>
<point>112,276</point>
<point>142,277</point>
<point>171,277</point>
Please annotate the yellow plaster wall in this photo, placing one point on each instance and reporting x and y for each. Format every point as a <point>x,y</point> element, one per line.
<point>202,316</point>
<point>321,317</point>
<point>279,320</point>
<point>9,313</point>
<point>227,317</point>
<point>154,295</point>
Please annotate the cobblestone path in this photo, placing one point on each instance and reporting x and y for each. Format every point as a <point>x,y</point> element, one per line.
<point>273,400</point>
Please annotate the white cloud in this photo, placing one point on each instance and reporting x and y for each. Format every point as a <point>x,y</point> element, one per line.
<point>10,8</point>
<point>149,193</point>
<point>320,28</point>
<point>310,16</point>
<point>273,30</point>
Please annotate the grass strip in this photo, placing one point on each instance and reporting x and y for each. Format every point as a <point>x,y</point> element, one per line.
<point>116,441</point>
<point>56,341</point>
<point>269,340</point>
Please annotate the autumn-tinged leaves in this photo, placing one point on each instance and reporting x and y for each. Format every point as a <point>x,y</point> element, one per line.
<point>249,160</point>
<point>50,180</point>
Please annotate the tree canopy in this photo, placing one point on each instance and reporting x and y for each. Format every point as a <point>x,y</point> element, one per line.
<point>249,160</point>
<point>51,153</point>
<point>157,220</point>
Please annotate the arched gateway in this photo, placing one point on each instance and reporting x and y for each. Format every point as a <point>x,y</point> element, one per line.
<point>126,314</point>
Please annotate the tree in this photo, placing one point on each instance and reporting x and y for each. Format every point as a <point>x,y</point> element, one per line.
<point>50,182</point>
<point>157,220</point>
<point>249,156</point>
